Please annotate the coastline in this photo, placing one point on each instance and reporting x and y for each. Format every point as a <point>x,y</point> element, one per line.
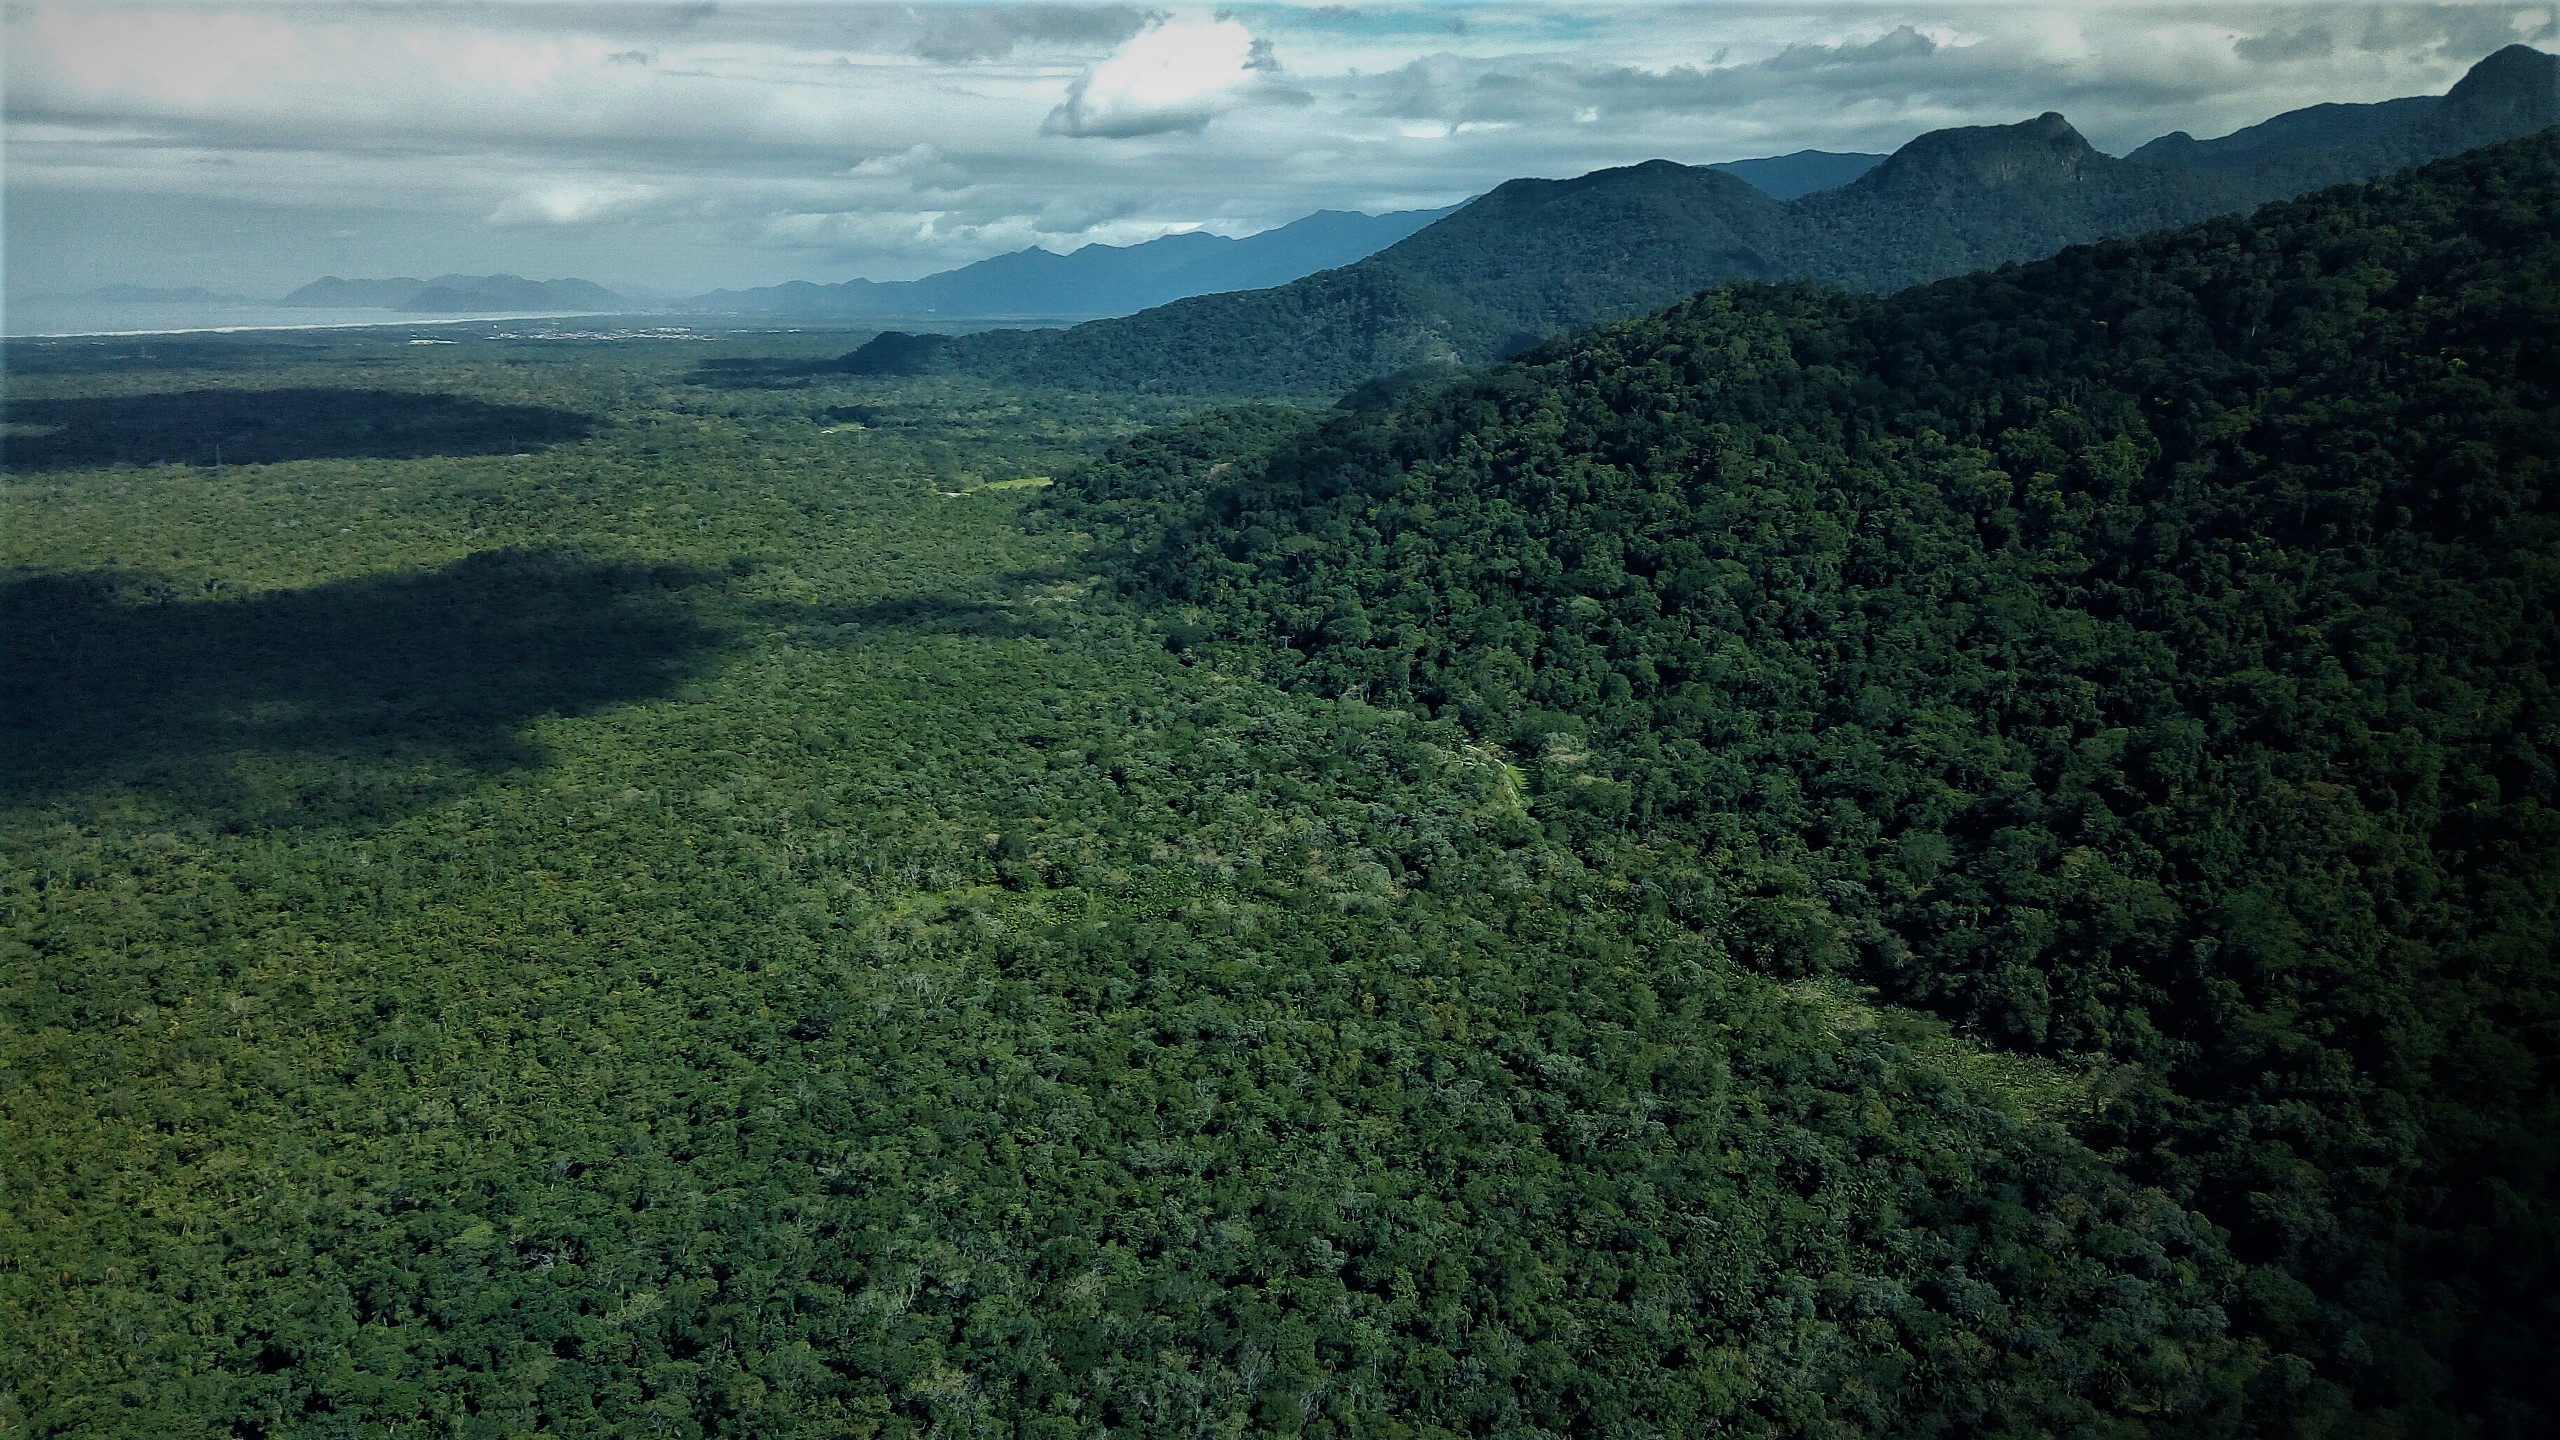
<point>268,319</point>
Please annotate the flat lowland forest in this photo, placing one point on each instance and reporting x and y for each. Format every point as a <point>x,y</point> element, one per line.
<point>1975,863</point>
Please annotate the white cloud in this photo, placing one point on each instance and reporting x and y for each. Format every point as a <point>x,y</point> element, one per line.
<point>573,204</point>
<point>919,167</point>
<point>1176,75</point>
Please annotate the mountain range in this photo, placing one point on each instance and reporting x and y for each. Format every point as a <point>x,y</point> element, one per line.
<point>455,294</point>
<point>1535,257</point>
<point>1097,279</point>
<point>1105,280</point>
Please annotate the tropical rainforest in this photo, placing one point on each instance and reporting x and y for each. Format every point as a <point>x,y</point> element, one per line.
<point>1976,862</point>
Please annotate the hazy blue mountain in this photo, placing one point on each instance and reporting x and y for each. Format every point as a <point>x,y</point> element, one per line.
<point>1535,257</point>
<point>1788,176</point>
<point>1098,279</point>
<point>455,294</point>
<point>333,292</point>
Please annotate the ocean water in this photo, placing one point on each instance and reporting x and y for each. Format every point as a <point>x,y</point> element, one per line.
<point>33,318</point>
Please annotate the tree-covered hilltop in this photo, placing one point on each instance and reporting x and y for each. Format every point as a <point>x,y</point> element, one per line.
<point>1535,257</point>
<point>2145,657</point>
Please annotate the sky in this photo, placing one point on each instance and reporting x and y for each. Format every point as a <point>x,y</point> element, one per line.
<point>670,149</point>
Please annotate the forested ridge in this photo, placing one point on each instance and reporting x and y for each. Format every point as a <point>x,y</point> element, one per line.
<point>1536,257</point>
<point>2142,658</point>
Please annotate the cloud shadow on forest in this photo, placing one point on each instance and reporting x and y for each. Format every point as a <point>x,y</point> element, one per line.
<point>259,427</point>
<point>354,701</point>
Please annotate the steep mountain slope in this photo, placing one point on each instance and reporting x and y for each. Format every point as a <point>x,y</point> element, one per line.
<point>1534,257</point>
<point>1098,279</point>
<point>1547,254</point>
<point>2148,657</point>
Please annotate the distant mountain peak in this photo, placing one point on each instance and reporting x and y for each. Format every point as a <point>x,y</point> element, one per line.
<point>2518,78</point>
<point>2042,151</point>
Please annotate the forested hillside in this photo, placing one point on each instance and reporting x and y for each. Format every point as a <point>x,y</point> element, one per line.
<point>1535,257</point>
<point>2144,658</point>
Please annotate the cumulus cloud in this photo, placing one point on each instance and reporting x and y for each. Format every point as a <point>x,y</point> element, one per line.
<point>1176,75</point>
<point>918,167</point>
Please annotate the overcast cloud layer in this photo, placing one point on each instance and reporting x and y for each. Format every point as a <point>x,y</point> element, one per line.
<point>677,148</point>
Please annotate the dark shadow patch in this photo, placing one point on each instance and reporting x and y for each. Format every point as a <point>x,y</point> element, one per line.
<point>257,427</point>
<point>351,702</point>
<point>125,354</point>
<point>891,353</point>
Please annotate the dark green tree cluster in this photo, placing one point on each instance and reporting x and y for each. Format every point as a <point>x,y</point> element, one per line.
<point>2145,657</point>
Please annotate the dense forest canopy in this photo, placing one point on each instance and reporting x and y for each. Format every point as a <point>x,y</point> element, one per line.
<point>2143,657</point>
<point>702,924</point>
<point>1980,862</point>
